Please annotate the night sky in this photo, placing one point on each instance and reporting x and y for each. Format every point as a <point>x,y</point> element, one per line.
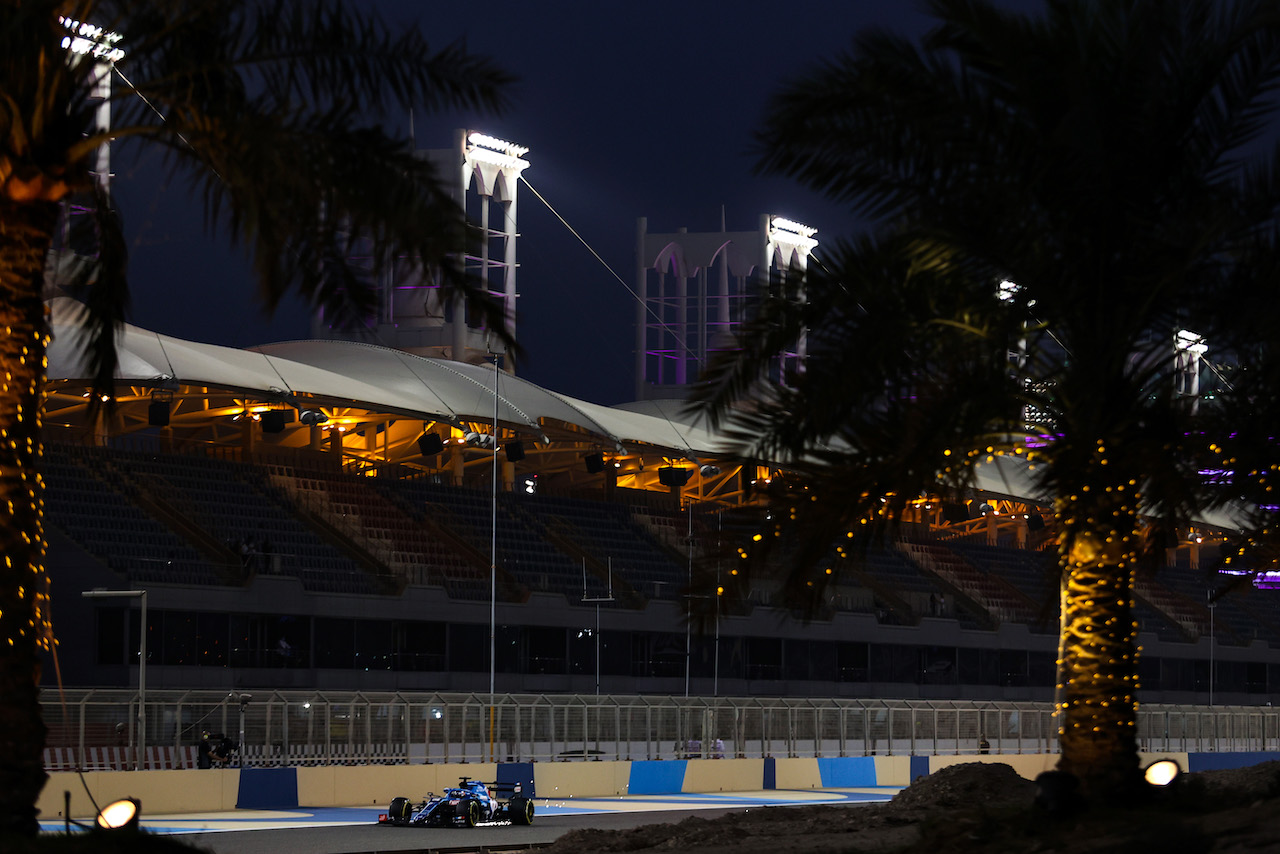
<point>629,109</point>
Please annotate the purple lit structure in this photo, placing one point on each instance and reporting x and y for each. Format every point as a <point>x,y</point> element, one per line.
<point>692,290</point>
<point>413,313</point>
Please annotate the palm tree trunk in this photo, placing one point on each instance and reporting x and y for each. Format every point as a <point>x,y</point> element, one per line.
<point>25,231</point>
<point>1098,673</point>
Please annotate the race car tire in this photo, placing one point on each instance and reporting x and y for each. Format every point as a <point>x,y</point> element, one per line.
<point>521,810</point>
<point>399,810</point>
<point>472,814</point>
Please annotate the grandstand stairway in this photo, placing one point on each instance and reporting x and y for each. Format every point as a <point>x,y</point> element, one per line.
<point>1191,618</point>
<point>1001,601</point>
<point>160,499</point>
<point>372,529</point>
<point>96,510</point>
<point>562,534</point>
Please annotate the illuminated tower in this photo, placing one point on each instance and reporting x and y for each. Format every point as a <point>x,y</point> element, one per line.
<point>94,51</point>
<point>693,293</point>
<point>413,312</point>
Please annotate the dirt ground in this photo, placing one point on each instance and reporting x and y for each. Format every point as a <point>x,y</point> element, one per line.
<point>984,809</point>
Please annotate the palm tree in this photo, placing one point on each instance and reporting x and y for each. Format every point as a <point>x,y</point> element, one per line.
<point>1104,161</point>
<point>267,110</point>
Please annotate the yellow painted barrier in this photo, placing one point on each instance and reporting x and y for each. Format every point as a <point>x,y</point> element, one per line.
<point>159,792</point>
<point>1032,765</point>
<point>376,785</point>
<point>797,773</point>
<point>723,775</point>
<point>216,790</point>
<point>581,779</point>
<point>893,770</point>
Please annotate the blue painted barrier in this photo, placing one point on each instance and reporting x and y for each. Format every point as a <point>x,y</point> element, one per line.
<point>1219,761</point>
<point>518,772</point>
<point>267,789</point>
<point>657,777</point>
<point>846,772</point>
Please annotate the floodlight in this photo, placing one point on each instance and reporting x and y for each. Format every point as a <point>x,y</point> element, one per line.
<point>709,470</point>
<point>312,416</point>
<point>789,233</point>
<point>1162,773</point>
<point>85,38</point>
<point>481,440</point>
<point>491,142</point>
<point>120,815</point>
<point>784,224</point>
<point>1190,342</point>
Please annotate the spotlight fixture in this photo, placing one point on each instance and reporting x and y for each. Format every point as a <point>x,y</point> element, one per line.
<point>709,470</point>
<point>120,815</point>
<point>1162,773</point>
<point>312,417</point>
<point>480,440</point>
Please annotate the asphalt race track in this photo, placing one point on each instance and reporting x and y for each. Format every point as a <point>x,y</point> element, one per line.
<point>354,830</point>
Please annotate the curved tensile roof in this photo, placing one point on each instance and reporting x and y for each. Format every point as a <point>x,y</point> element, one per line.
<point>366,384</point>
<point>363,383</point>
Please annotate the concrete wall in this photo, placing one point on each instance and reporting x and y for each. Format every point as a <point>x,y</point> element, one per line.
<point>371,785</point>
<point>1032,765</point>
<point>210,790</point>
<point>219,790</point>
<point>581,779</point>
<point>723,775</point>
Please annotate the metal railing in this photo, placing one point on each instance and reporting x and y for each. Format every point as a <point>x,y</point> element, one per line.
<point>96,728</point>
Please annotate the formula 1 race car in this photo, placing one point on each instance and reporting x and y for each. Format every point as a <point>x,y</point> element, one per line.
<point>468,804</point>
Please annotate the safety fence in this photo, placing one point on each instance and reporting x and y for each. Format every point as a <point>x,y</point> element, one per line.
<point>108,729</point>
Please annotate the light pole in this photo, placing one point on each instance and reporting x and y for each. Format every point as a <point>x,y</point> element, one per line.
<point>597,600</point>
<point>243,700</point>
<point>493,557</point>
<point>688,606</point>
<point>715,681</point>
<point>142,662</point>
<point>1211,606</point>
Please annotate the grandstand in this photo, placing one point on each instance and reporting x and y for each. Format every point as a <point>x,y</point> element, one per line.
<point>295,529</point>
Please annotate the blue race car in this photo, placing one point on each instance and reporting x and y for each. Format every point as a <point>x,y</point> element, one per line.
<point>468,804</point>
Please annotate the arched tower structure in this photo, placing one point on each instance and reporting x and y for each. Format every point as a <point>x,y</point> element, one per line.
<point>692,291</point>
<point>413,312</point>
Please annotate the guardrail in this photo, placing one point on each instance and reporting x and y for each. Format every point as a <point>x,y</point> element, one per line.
<point>98,728</point>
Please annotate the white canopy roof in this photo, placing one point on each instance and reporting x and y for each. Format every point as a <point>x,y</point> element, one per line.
<point>399,383</point>
<point>364,375</point>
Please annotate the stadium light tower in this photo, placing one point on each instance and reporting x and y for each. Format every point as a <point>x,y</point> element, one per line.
<point>1189,349</point>
<point>103,48</point>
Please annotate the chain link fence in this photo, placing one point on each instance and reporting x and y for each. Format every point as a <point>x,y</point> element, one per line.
<point>101,729</point>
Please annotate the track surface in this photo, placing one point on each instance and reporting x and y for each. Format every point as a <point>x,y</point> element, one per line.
<point>354,830</point>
